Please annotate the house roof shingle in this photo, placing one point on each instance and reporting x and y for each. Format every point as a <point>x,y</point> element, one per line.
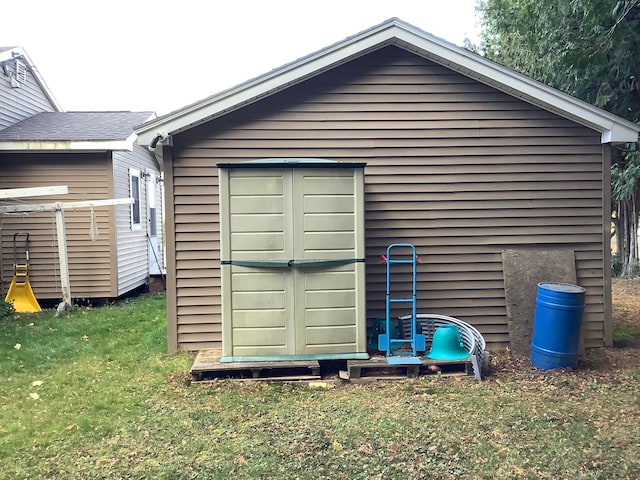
<point>75,126</point>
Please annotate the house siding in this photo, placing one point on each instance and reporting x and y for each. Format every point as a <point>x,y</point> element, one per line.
<point>16,104</point>
<point>88,177</point>
<point>133,245</point>
<point>455,167</point>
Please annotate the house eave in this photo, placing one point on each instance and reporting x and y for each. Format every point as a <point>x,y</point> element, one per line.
<point>613,129</point>
<point>63,145</point>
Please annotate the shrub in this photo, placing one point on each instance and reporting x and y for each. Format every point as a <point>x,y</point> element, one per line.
<point>619,269</point>
<point>616,265</point>
<point>6,309</point>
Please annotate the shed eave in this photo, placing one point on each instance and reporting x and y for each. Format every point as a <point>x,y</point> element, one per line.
<point>393,32</point>
<point>613,129</point>
<point>620,134</point>
<point>255,89</point>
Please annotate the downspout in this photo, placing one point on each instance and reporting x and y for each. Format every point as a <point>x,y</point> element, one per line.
<point>160,136</point>
<point>160,139</point>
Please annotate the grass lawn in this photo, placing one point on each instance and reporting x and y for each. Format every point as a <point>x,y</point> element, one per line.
<point>92,394</point>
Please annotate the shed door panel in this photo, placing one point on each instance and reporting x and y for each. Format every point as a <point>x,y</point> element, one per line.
<point>259,300</point>
<point>277,215</point>
<point>327,303</point>
<point>256,219</point>
<point>259,215</point>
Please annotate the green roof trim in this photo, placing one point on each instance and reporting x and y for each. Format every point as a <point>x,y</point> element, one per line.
<point>292,163</point>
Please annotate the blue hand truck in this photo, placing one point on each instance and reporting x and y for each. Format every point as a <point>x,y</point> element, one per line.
<point>397,254</point>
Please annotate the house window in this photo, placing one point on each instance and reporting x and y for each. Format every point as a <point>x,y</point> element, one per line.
<point>134,193</point>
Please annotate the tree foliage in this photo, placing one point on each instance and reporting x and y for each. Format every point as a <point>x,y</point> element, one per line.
<point>589,49</point>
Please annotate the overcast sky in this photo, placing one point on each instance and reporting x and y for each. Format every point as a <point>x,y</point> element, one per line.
<point>162,55</point>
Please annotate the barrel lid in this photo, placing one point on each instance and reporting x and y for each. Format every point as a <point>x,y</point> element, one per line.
<point>562,287</point>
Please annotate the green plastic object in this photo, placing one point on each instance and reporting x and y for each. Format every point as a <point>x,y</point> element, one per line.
<point>447,344</point>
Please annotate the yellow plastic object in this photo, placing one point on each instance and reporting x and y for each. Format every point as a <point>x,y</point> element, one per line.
<point>21,295</point>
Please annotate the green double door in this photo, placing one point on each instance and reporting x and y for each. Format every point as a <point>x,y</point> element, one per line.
<point>292,254</point>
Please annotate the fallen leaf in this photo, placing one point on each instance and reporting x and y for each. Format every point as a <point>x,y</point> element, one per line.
<point>34,396</point>
<point>71,426</point>
<point>241,459</point>
<point>337,446</point>
<point>325,385</point>
<point>37,383</point>
<point>17,346</point>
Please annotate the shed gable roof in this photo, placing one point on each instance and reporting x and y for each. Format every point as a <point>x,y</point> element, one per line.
<point>612,128</point>
<point>74,131</point>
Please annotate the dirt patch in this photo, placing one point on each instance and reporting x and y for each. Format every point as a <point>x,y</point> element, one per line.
<point>625,354</point>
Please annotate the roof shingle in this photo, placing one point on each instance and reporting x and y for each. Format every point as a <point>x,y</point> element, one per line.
<point>75,126</point>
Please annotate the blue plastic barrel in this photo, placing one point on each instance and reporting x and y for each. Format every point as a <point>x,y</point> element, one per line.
<point>556,325</point>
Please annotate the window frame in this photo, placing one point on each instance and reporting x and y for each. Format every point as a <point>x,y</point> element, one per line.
<point>135,178</point>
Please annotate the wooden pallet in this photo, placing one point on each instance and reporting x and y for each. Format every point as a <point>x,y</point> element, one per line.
<point>208,368</point>
<point>377,368</point>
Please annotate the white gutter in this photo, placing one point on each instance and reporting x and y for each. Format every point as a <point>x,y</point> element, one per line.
<point>68,145</point>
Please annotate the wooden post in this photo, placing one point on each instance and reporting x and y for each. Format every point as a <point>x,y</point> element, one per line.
<point>63,258</point>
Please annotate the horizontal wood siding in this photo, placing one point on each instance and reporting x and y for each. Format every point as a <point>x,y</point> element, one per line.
<point>16,104</point>
<point>455,167</point>
<point>88,177</point>
<point>132,245</point>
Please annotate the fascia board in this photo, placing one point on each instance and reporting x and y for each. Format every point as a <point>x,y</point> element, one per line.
<point>45,88</point>
<point>87,146</point>
<point>612,128</point>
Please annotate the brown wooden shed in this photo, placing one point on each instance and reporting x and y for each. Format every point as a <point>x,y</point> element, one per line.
<point>465,159</point>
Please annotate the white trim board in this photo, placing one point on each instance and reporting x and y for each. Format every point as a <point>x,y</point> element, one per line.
<point>9,193</point>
